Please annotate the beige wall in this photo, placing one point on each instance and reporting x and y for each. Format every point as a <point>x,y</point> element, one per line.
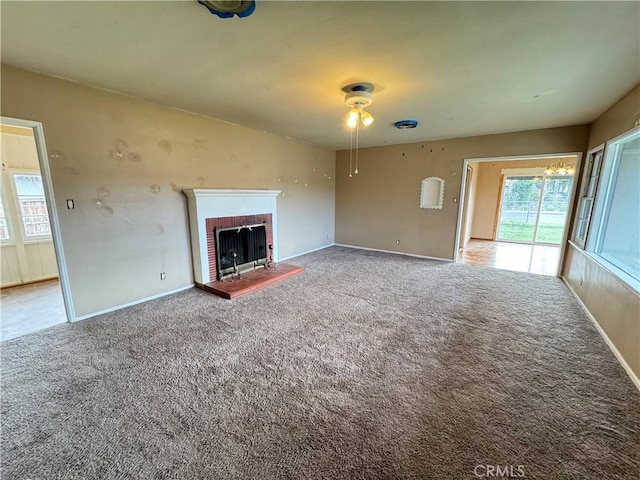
<point>615,306</point>
<point>489,191</point>
<point>21,260</point>
<point>380,204</point>
<point>618,119</point>
<point>133,158</point>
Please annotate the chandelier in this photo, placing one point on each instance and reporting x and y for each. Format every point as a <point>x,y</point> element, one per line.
<point>560,169</point>
<point>358,97</point>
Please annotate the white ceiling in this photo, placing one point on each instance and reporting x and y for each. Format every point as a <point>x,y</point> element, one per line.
<point>460,68</point>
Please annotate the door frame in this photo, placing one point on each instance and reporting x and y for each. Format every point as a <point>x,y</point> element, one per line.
<point>550,156</point>
<point>56,235</point>
<point>465,207</point>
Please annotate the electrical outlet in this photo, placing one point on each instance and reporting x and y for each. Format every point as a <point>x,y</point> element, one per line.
<point>163,276</point>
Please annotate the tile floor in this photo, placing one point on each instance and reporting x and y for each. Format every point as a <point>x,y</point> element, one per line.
<point>28,308</point>
<point>541,259</point>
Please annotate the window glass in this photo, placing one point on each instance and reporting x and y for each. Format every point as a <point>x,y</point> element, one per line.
<point>590,179</point>
<point>33,207</point>
<point>4,229</point>
<point>619,238</point>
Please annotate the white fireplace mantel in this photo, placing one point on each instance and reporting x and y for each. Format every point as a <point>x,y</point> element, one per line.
<point>206,203</point>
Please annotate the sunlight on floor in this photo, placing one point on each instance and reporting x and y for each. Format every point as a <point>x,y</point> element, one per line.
<point>29,308</point>
<point>540,259</point>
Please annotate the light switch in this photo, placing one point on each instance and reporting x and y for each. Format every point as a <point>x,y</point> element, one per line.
<point>70,205</point>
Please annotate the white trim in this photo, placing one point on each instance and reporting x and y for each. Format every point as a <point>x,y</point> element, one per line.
<point>537,156</point>
<point>629,280</point>
<point>56,233</point>
<point>135,302</point>
<point>394,252</point>
<point>308,251</point>
<point>605,337</point>
<point>30,282</point>
<point>583,188</point>
<point>606,266</point>
<point>207,192</point>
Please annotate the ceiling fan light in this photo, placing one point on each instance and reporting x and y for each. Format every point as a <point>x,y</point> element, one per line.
<point>352,118</point>
<point>367,119</point>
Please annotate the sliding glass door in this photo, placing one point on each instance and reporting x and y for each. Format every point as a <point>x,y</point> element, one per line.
<point>533,209</point>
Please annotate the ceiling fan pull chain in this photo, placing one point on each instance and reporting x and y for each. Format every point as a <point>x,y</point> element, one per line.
<point>356,170</point>
<point>351,154</point>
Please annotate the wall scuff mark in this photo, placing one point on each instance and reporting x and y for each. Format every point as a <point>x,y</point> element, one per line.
<point>101,194</point>
<point>165,145</point>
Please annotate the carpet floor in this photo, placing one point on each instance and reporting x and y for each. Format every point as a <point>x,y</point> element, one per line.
<point>366,366</point>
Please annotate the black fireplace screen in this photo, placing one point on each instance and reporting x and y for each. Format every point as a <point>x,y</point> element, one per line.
<point>240,249</point>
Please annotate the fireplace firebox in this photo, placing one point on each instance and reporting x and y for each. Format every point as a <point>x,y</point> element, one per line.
<point>240,249</point>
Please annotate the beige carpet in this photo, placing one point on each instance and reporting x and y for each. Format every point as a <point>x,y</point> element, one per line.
<point>366,366</point>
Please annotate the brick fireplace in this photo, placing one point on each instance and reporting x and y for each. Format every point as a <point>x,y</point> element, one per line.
<point>212,208</point>
<point>213,224</point>
<point>212,212</point>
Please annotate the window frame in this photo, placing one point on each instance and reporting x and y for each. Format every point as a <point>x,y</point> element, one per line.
<point>589,187</point>
<point>7,217</point>
<point>601,207</point>
<point>26,239</point>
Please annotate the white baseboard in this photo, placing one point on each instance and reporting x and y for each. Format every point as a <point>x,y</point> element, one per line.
<point>395,253</point>
<point>135,302</point>
<point>603,334</point>
<point>30,282</point>
<point>304,253</point>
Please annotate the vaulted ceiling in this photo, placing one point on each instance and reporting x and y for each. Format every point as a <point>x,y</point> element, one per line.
<point>459,68</point>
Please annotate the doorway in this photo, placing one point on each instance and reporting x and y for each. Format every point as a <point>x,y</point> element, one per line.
<point>533,209</point>
<point>515,215</point>
<point>465,233</point>
<point>33,278</point>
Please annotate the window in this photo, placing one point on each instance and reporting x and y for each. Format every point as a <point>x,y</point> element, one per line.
<point>32,205</point>
<point>4,222</point>
<point>616,227</point>
<point>589,188</point>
